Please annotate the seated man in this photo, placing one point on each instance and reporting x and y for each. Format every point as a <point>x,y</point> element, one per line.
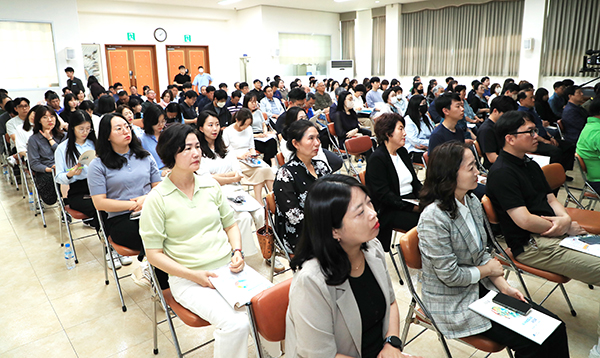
<point>218,106</point>
<point>588,145</point>
<point>574,116</point>
<point>557,101</point>
<point>451,108</point>
<point>186,87</point>
<point>270,105</point>
<point>233,104</point>
<point>488,141</point>
<point>187,107</point>
<point>322,100</point>
<point>532,220</point>
<point>205,97</point>
<point>374,96</point>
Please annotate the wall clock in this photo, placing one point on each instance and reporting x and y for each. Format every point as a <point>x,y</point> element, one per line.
<point>160,34</point>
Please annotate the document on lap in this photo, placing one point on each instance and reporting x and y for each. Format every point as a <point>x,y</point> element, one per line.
<point>589,244</point>
<point>536,326</point>
<point>239,288</point>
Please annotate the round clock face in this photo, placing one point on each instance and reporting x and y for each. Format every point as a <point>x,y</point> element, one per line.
<point>160,34</point>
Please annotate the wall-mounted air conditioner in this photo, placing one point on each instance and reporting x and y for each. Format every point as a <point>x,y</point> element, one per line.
<point>338,69</point>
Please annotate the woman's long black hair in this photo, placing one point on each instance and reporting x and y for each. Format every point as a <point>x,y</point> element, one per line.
<point>413,112</point>
<point>104,149</point>
<point>326,205</point>
<point>78,117</point>
<point>290,117</point>
<point>220,147</point>
<point>26,124</point>
<point>440,179</point>
<point>37,124</point>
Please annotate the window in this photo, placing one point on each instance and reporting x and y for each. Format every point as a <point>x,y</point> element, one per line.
<point>469,40</point>
<point>31,62</point>
<point>301,54</point>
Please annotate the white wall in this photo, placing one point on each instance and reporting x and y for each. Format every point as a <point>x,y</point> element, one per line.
<point>392,39</point>
<point>364,43</point>
<point>533,27</point>
<point>63,17</point>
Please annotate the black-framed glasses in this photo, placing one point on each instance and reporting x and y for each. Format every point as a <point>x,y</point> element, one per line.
<point>532,132</point>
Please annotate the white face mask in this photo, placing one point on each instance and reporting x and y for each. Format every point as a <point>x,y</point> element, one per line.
<point>201,71</point>
<point>394,100</point>
<point>349,104</point>
<point>498,89</point>
<point>220,104</point>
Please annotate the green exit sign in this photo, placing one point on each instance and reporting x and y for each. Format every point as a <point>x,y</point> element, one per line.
<point>187,38</point>
<point>131,36</point>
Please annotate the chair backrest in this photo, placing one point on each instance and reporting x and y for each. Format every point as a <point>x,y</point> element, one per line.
<point>409,244</point>
<point>270,200</point>
<point>425,158</point>
<point>328,118</point>
<point>269,310</point>
<point>560,125</point>
<point>363,177</point>
<point>280,159</point>
<point>555,175</point>
<point>357,145</point>
<point>331,129</point>
<point>478,149</point>
<point>489,210</point>
<point>581,163</point>
<point>264,115</point>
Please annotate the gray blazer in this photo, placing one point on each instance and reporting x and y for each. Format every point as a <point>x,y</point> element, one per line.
<point>447,250</point>
<point>324,320</point>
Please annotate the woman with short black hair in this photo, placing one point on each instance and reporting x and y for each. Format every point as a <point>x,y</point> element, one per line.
<point>154,123</point>
<point>173,114</point>
<point>106,104</point>
<point>418,128</point>
<point>70,105</point>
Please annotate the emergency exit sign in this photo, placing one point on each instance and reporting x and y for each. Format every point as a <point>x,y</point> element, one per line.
<point>131,36</point>
<point>187,38</point>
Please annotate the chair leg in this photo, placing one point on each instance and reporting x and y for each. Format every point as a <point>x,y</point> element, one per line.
<point>71,238</point>
<point>116,276</point>
<point>407,322</point>
<point>105,264</point>
<point>445,345</point>
<point>254,331</point>
<point>396,267</point>
<point>562,288</point>
<point>155,322</point>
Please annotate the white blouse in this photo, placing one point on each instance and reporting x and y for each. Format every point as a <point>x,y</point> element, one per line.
<point>238,142</point>
<point>404,175</point>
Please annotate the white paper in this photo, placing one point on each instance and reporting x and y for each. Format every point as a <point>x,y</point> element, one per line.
<point>536,326</point>
<point>239,288</point>
<point>471,125</point>
<point>264,139</point>
<point>412,201</point>
<point>249,204</point>
<point>542,160</point>
<point>575,243</point>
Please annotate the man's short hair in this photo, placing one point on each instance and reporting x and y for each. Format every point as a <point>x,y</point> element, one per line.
<point>236,93</point>
<point>199,67</point>
<point>445,101</point>
<point>475,84</point>
<point>187,85</point>
<point>511,87</point>
<point>17,101</point>
<point>221,85</point>
<point>594,108</point>
<point>182,67</point>
<point>48,93</point>
<point>296,94</point>
<point>243,85</point>
<point>484,78</point>
<point>458,88</point>
<point>374,79</point>
<point>525,85</point>
<point>568,82</point>
<point>171,87</point>
<point>310,96</point>
<point>118,84</point>
<point>385,82</point>
<point>293,85</point>
<point>69,69</point>
<point>360,88</point>
<point>570,91</point>
<point>510,122</point>
<point>210,89</point>
<point>558,84</point>
<point>191,94</point>
<point>257,80</point>
<point>523,94</point>
<point>503,104</point>
<point>65,89</point>
<point>51,96</point>
<point>448,79</point>
<point>122,93</point>
<point>220,95</point>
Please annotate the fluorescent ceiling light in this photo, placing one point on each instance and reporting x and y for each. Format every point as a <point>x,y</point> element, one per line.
<point>341,0</point>
<point>227,2</point>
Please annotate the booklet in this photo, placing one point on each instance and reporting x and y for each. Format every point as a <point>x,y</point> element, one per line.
<point>85,159</point>
<point>239,288</point>
<point>536,326</point>
<point>242,201</point>
<point>264,139</point>
<point>252,162</point>
<point>590,244</point>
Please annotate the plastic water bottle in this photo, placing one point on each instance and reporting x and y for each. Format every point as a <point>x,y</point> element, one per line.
<point>69,257</point>
<point>360,164</point>
<point>5,172</point>
<point>31,204</point>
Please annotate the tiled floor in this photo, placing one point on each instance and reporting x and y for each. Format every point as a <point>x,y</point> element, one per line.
<point>48,311</point>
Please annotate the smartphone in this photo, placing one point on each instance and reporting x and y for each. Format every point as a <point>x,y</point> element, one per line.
<point>512,303</point>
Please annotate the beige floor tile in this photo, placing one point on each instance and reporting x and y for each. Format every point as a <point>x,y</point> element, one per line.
<point>54,346</point>
<point>84,276</point>
<point>146,349</point>
<point>111,333</point>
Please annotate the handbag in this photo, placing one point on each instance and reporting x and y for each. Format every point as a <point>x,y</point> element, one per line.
<point>266,238</point>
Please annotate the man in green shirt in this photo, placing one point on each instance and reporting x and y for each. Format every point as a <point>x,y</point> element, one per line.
<point>323,100</point>
<point>588,145</point>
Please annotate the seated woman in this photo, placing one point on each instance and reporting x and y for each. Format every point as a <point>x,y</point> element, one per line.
<point>342,302</point>
<point>418,128</point>
<point>154,123</point>
<point>40,151</point>
<point>79,95</point>
<point>189,229</point>
<point>127,113</point>
<point>259,128</point>
<point>479,103</point>
<point>80,139</point>
<point>70,104</point>
<point>542,107</point>
<point>165,99</point>
<point>390,99</point>
<point>24,132</point>
<point>225,170</point>
<point>88,107</point>
<point>239,140</point>
<point>457,269</point>
<point>292,115</point>
<point>346,120</point>
<point>391,179</point>
<point>173,114</point>
<point>119,179</point>
<point>294,179</point>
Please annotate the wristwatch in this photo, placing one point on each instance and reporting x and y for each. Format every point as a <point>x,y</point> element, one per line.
<point>234,250</point>
<point>394,341</point>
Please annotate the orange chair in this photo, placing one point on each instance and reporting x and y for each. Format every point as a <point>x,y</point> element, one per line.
<point>280,159</point>
<point>508,260</point>
<point>267,311</point>
<point>356,146</point>
<point>587,191</point>
<point>410,255</point>
<point>425,159</point>
<point>561,128</point>
<point>335,144</point>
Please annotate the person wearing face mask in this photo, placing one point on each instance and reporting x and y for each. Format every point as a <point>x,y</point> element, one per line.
<point>217,105</point>
<point>418,128</point>
<point>202,79</point>
<point>346,121</point>
<point>495,91</point>
<point>390,100</point>
<point>402,103</point>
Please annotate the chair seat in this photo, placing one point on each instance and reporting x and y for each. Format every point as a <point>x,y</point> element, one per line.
<point>270,308</point>
<point>188,317</point>
<point>589,220</point>
<point>587,194</point>
<point>550,276</point>
<point>77,215</point>
<point>402,231</point>
<point>483,343</point>
<point>122,250</point>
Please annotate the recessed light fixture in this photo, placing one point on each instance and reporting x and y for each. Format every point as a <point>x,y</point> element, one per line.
<point>376,2</point>
<point>227,2</point>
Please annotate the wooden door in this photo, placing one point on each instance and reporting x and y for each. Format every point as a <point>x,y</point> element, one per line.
<point>132,66</point>
<point>189,56</point>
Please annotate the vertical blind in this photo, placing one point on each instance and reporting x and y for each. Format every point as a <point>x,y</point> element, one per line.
<point>348,41</point>
<point>378,49</point>
<point>572,27</point>
<point>469,40</point>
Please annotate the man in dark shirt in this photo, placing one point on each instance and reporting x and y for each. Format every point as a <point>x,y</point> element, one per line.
<point>206,98</point>
<point>186,87</point>
<point>123,98</point>
<point>73,82</point>
<point>233,104</point>
<point>181,78</point>
<point>574,117</point>
<point>218,106</point>
<point>486,135</point>
<point>258,90</point>
<point>451,108</point>
<point>532,220</point>
<point>187,107</point>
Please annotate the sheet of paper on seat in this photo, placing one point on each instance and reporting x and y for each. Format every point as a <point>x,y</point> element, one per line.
<point>589,244</point>
<point>471,125</point>
<point>540,159</point>
<point>481,179</point>
<point>536,326</point>
<point>412,201</point>
<point>239,288</point>
<point>264,139</point>
<point>249,203</point>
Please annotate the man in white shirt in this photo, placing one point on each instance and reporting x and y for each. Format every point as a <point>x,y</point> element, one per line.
<point>202,79</point>
<point>270,105</point>
<point>22,108</point>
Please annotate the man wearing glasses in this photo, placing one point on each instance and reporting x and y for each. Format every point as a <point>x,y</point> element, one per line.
<point>532,220</point>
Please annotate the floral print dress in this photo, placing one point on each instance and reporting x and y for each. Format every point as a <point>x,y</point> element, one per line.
<point>290,187</point>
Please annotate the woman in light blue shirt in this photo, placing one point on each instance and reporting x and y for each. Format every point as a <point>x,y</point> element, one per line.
<point>154,123</point>
<point>418,128</point>
<point>80,139</point>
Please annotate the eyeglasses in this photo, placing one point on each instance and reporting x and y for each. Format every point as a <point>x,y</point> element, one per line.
<point>120,129</point>
<point>84,130</point>
<point>23,106</point>
<point>532,132</point>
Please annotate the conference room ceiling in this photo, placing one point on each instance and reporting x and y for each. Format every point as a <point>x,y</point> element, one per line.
<point>337,6</point>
